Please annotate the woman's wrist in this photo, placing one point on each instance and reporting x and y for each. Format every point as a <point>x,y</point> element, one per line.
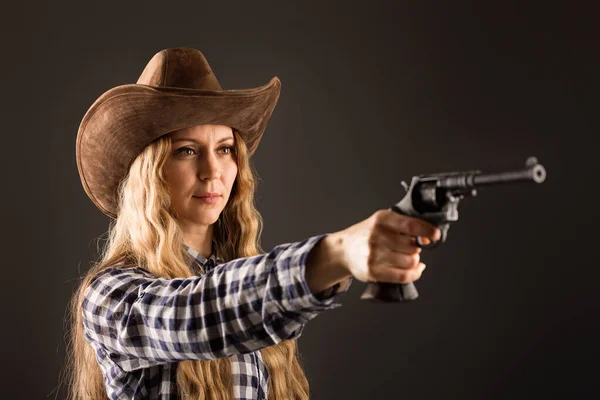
<point>324,264</point>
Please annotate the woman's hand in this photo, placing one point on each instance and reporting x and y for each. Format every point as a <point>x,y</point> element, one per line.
<point>383,247</point>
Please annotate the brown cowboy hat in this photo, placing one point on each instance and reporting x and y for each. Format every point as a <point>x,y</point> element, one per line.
<point>176,90</point>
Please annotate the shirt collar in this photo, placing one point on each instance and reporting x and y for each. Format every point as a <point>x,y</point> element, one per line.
<point>197,258</point>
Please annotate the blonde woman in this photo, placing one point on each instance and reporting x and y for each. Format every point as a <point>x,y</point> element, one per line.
<point>183,303</point>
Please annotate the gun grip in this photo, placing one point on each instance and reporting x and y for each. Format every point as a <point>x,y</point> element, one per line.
<point>390,292</point>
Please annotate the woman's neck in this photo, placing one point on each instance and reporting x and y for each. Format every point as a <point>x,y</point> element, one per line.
<point>200,240</point>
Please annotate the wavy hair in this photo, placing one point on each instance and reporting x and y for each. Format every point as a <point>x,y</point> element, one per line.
<point>146,233</point>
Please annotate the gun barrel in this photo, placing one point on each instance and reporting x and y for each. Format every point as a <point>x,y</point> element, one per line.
<point>535,172</point>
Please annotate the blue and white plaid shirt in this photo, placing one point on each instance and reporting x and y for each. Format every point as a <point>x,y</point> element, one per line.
<point>140,326</point>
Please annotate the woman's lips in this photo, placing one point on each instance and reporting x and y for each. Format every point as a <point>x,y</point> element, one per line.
<point>209,195</point>
<point>209,199</point>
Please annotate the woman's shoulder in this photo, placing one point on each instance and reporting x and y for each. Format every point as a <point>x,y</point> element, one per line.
<point>120,274</point>
<point>113,284</point>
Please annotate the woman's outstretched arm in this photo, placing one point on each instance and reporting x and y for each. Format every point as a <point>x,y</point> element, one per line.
<point>137,320</point>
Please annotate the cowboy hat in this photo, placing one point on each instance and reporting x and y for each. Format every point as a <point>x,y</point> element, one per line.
<point>177,89</point>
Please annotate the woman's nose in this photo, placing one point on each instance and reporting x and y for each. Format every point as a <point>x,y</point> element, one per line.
<point>209,167</point>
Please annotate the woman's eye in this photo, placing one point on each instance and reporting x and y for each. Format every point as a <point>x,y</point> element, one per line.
<point>183,150</point>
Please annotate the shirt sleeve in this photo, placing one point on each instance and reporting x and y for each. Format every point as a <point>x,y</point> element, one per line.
<point>138,320</point>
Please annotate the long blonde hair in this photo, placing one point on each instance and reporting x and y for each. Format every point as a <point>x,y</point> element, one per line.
<point>146,233</point>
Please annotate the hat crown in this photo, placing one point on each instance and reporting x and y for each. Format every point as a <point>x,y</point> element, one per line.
<point>181,68</point>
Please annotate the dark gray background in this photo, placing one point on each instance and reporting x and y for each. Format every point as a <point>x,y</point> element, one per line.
<point>372,94</point>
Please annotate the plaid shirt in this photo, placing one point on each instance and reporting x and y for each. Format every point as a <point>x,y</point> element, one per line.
<point>141,326</point>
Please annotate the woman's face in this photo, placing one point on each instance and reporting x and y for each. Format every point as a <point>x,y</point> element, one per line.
<point>201,161</point>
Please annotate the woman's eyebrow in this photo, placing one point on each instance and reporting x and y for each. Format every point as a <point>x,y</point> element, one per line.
<point>195,141</point>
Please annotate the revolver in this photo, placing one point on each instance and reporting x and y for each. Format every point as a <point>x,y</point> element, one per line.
<point>435,198</point>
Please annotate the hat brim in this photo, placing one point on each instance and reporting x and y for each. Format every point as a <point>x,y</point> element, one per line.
<point>127,118</point>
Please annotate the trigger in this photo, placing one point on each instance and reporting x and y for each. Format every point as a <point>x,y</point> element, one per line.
<point>404,185</point>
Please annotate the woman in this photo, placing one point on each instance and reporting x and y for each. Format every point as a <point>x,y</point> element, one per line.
<point>184,303</point>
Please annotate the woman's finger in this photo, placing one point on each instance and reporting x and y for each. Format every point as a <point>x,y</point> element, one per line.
<point>399,275</point>
<point>398,243</point>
